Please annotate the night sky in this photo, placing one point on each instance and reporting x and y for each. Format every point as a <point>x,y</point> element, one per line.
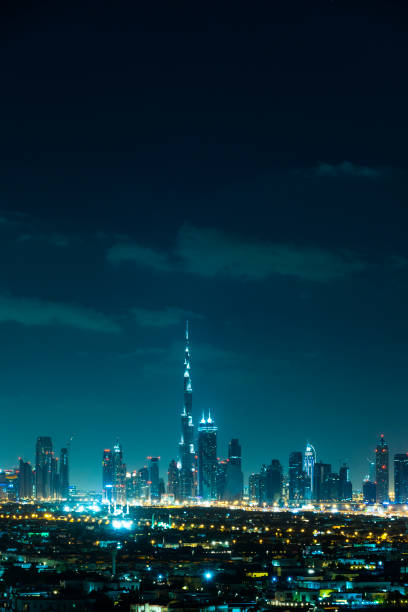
<point>242,166</point>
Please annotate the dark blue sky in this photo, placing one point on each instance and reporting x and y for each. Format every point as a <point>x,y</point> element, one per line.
<point>246,168</point>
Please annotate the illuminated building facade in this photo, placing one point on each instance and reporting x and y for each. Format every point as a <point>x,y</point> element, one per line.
<point>186,446</point>
<point>382,473</point>
<point>107,475</point>
<point>308,467</point>
<point>119,475</point>
<point>401,478</point>
<point>207,459</point>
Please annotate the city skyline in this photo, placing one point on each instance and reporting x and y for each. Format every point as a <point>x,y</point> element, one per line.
<point>245,172</point>
<point>195,472</point>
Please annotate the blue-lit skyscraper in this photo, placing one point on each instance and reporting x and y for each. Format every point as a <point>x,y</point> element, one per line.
<point>186,446</point>
<point>207,459</point>
<point>308,466</point>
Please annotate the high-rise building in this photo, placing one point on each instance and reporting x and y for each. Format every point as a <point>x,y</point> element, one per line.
<point>107,475</point>
<point>154,478</point>
<point>369,492</point>
<point>186,446</point>
<point>273,482</point>
<point>25,480</point>
<point>44,468</point>
<point>296,477</point>
<point>173,479</point>
<point>308,466</point>
<point>234,486</point>
<point>401,478</point>
<point>221,478</point>
<point>254,490</point>
<point>381,469</point>
<point>345,486</point>
<point>119,475</point>
<point>207,459</point>
<point>64,474</point>
<point>321,472</point>
<point>143,483</point>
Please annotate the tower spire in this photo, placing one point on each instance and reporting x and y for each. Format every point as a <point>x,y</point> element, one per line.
<point>187,453</point>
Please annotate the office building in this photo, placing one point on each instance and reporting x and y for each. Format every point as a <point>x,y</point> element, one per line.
<point>401,478</point>
<point>154,478</point>
<point>296,477</point>
<point>382,474</point>
<point>345,486</point>
<point>64,474</point>
<point>25,480</point>
<point>321,473</point>
<point>207,459</point>
<point>44,468</point>
<point>234,486</point>
<point>173,479</point>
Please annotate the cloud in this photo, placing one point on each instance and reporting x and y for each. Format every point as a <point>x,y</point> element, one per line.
<point>212,252</point>
<point>58,240</point>
<point>347,168</point>
<point>33,311</point>
<point>164,317</point>
<point>140,255</point>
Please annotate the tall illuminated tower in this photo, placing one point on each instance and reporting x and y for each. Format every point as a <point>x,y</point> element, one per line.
<point>308,466</point>
<point>381,471</point>
<point>207,459</point>
<point>186,446</point>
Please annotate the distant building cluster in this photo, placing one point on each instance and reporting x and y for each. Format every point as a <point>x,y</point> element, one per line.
<point>48,479</point>
<point>200,475</point>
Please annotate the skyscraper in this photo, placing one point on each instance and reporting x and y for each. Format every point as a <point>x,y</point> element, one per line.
<point>273,482</point>
<point>296,479</point>
<point>186,446</point>
<point>381,470</point>
<point>107,475</point>
<point>119,475</point>
<point>234,486</point>
<point>308,466</point>
<point>207,459</point>
<point>173,479</point>
<point>346,488</point>
<point>154,478</point>
<point>25,480</point>
<point>44,468</point>
<point>64,474</point>
<point>254,490</point>
<point>321,472</point>
<point>401,478</point>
